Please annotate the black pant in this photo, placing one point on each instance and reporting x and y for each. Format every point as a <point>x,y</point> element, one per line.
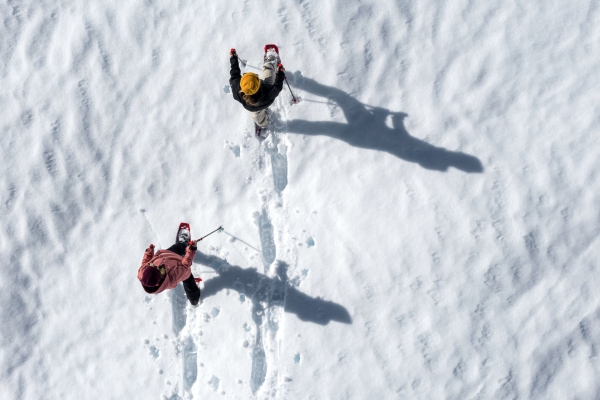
<point>192,291</point>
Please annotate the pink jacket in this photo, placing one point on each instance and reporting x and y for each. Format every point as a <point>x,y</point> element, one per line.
<point>178,268</point>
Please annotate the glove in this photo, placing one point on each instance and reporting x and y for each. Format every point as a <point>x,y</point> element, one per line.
<point>232,53</point>
<point>193,245</point>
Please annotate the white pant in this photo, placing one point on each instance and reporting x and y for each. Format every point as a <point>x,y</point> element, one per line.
<point>261,118</point>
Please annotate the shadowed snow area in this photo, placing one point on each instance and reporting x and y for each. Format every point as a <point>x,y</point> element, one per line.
<point>421,223</point>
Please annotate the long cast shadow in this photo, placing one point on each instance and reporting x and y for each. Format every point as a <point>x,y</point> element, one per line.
<point>367,128</point>
<point>276,291</point>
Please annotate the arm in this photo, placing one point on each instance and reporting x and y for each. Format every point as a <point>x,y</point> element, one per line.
<point>182,271</point>
<point>148,254</point>
<point>189,255</point>
<point>277,86</point>
<point>235,73</point>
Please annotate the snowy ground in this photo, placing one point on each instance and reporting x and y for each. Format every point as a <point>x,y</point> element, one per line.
<point>423,224</point>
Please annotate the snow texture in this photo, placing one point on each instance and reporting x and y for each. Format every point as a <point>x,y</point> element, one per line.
<point>421,223</point>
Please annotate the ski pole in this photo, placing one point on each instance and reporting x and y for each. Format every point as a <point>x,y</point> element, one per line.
<point>288,85</point>
<point>218,229</point>
<point>294,99</point>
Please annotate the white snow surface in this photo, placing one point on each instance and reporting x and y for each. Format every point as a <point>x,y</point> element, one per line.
<point>423,224</point>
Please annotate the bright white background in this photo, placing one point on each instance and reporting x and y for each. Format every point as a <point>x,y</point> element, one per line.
<point>405,279</point>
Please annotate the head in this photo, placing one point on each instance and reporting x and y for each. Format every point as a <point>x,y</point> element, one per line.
<point>250,83</point>
<point>153,275</point>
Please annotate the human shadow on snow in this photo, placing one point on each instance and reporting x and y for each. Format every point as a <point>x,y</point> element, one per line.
<point>366,127</point>
<point>272,291</point>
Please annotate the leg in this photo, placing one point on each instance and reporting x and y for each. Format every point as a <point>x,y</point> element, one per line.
<point>261,118</point>
<point>192,291</point>
<point>268,73</point>
<point>178,248</point>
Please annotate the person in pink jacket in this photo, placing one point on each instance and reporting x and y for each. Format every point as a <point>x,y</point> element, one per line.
<point>165,269</point>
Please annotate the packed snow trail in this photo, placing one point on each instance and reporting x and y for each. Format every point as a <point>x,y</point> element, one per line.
<point>270,221</point>
<point>268,296</point>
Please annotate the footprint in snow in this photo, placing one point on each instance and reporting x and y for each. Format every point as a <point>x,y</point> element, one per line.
<point>190,367</point>
<point>265,229</point>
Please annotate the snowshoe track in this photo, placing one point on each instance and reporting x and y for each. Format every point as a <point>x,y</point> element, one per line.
<point>178,305</point>
<point>267,241</point>
<point>279,163</point>
<point>270,220</point>
<point>259,365</point>
<point>186,350</point>
<point>190,366</point>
